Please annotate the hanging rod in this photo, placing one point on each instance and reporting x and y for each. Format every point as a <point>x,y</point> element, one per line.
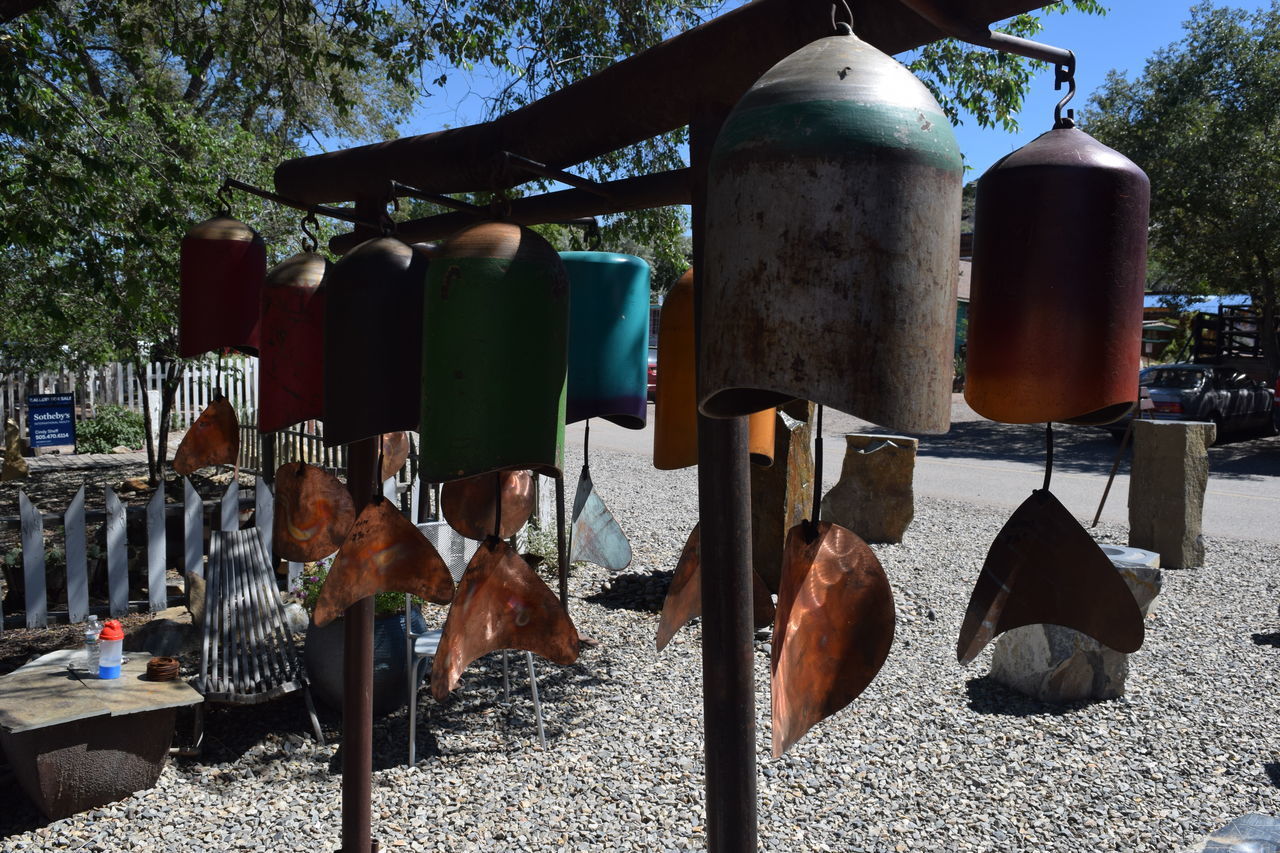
<point>342,213</point>
<point>545,171</point>
<point>984,36</point>
<point>400,190</point>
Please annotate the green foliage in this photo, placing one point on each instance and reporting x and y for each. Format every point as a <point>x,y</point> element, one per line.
<point>1202,121</point>
<point>111,427</point>
<point>313,577</point>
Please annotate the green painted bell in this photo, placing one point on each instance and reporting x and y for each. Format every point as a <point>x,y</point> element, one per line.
<point>494,355</point>
<point>832,248</point>
<point>608,337</point>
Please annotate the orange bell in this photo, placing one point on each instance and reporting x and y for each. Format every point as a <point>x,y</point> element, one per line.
<point>675,431</point>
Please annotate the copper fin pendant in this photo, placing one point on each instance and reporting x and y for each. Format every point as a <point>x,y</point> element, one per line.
<point>1044,568</point>
<point>313,512</point>
<point>395,452</point>
<point>384,552</point>
<point>500,604</point>
<point>595,536</point>
<point>214,439</point>
<point>468,505</point>
<point>834,628</point>
<point>684,597</point>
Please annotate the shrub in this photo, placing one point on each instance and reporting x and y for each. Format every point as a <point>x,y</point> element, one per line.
<point>113,426</point>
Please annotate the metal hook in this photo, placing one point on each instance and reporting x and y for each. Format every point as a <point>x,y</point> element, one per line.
<point>845,27</point>
<point>309,242</point>
<point>1065,72</point>
<point>224,199</point>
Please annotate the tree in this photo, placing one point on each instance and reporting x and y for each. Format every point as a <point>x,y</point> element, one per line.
<point>119,120</point>
<point>1202,120</point>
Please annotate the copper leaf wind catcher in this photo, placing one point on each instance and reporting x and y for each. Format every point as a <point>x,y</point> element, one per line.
<point>313,512</point>
<point>1044,568</point>
<point>834,627</point>
<point>595,536</point>
<point>500,604</point>
<point>471,505</point>
<point>394,451</point>
<point>383,552</point>
<point>214,439</point>
<point>684,597</point>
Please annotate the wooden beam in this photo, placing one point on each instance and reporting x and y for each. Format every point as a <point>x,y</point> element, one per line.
<point>645,95</point>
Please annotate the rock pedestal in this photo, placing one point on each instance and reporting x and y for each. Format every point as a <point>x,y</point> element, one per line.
<point>782,494</point>
<point>1058,665</point>
<point>1166,489</point>
<point>874,497</point>
<point>14,466</point>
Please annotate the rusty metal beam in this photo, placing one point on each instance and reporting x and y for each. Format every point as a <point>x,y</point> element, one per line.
<point>657,190</point>
<point>645,95</point>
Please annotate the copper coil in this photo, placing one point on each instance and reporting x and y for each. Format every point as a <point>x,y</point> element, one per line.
<point>162,669</point>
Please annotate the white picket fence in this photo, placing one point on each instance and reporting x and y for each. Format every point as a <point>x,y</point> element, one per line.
<point>75,536</point>
<point>121,385</point>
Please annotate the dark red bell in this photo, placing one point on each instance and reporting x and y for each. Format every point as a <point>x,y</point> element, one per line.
<point>222,265</point>
<point>291,352</point>
<point>373,340</point>
<point>1059,264</point>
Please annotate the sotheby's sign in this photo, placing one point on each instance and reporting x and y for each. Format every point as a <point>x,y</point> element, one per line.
<point>51,419</point>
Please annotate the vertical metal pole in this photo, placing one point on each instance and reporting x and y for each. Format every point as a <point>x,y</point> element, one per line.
<point>724,505</point>
<point>357,668</point>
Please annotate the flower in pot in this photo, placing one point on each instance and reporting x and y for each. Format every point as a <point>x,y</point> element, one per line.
<point>323,648</point>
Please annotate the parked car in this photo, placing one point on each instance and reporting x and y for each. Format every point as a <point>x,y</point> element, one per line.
<point>653,372</point>
<point>1203,392</point>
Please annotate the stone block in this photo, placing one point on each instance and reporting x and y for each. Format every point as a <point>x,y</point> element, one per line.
<point>874,497</point>
<point>1166,489</point>
<point>782,494</point>
<point>1057,665</point>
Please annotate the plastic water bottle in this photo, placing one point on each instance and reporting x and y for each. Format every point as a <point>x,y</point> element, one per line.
<point>92,629</point>
<point>112,649</point>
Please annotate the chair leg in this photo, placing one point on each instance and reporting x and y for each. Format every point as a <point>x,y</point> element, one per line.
<point>537,705</point>
<point>311,712</point>
<point>413,710</point>
<point>506,680</point>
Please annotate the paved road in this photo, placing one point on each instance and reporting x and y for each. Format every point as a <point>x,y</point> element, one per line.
<point>999,465</point>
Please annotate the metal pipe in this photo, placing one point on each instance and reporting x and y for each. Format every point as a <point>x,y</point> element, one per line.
<point>545,171</point>
<point>645,95</point>
<point>400,190</point>
<point>357,679</point>
<point>357,658</point>
<point>724,506</point>
<point>657,190</point>
<point>946,20</point>
<point>344,214</point>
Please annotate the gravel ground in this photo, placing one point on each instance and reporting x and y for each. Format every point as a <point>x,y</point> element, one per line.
<point>931,757</point>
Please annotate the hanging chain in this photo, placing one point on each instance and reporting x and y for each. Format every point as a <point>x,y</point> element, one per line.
<point>1048,454</point>
<point>817,465</point>
<point>1064,73</point>
<point>309,241</point>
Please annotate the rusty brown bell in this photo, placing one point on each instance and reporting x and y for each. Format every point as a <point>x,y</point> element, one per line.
<point>214,439</point>
<point>1059,267</point>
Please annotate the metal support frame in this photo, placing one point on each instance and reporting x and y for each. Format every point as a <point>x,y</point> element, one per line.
<point>724,506</point>
<point>686,90</point>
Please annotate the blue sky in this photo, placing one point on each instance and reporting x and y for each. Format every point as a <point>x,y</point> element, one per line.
<point>1123,39</point>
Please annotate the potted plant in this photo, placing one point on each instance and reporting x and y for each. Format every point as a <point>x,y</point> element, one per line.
<point>323,648</point>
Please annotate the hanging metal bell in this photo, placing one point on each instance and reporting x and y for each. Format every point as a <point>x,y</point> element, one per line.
<point>1059,266</point>
<point>373,340</point>
<point>291,351</point>
<point>221,267</point>
<point>608,337</point>
<point>833,243</point>
<point>675,407</point>
<point>494,355</point>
